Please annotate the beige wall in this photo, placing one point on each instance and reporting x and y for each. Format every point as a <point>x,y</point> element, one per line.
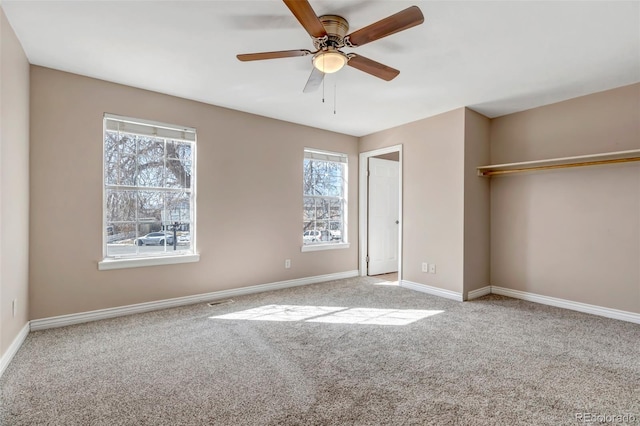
<point>476,202</point>
<point>433,180</point>
<point>572,233</point>
<point>249,198</point>
<point>601,122</point>
<point>14,184</point>
<point>446,205</point>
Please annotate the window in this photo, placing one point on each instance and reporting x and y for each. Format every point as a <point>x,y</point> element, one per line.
<point>149,190</point>
<point>325,200</point>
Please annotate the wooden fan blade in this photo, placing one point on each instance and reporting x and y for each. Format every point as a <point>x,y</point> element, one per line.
<point>315,79</point>
<point>403,20</point>
<point>372,67</point>
<point>273,55</point>
<point>304,13</point>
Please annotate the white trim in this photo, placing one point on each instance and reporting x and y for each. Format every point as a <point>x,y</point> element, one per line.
<point>364,207</point>
<point>64,320</point>
<point>423,288</point>
<point>344,199</point>
<point>322,155</point>
<point>474,294</point>
<point>318,247</point>
<point>568,304</point>
<point>13,348</point>
<point>119,263</point>
<point>136,262</point>
<point>149,123</point>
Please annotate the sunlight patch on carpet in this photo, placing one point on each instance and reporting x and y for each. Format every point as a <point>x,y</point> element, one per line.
<point>330,314</point>
<point>376,316</point>
<point>387,283</point>
<point>280,313</point>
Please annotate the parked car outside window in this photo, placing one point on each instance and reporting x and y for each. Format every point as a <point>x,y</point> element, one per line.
<point>155,239</point>
<point>312,236</point>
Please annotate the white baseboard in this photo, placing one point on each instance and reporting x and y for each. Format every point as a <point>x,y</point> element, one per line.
<point>453,295</point>
<point>568,304</point>
<point>474,294</point>
<point>64,320</point>
<point>13,348</point>
<point>531,297</point>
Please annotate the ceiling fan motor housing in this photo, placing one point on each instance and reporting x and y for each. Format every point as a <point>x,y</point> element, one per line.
<point>336,28</point>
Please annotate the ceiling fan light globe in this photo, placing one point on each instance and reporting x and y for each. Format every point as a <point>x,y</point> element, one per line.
<point>329,62</point>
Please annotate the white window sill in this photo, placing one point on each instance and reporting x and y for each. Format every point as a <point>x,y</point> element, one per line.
<point>318,247</point>
<point>111,263</point>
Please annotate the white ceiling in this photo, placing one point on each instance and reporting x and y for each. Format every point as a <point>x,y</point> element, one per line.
<point>496,57</point>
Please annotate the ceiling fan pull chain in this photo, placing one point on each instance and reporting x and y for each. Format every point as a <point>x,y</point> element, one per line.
<point>335,97</point>
<point>323,80</point>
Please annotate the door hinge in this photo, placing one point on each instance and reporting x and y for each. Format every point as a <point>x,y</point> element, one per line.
<point>367,260</point>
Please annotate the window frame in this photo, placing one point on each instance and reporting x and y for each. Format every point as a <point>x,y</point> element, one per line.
<point>159,258</point>
<point>344,243</point>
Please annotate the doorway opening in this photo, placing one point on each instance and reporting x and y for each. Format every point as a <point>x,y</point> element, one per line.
<point>380,213</point>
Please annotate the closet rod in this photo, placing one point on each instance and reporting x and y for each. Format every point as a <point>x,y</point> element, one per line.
<point>558,166</point>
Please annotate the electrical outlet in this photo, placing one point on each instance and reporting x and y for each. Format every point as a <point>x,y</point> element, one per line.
<point>14,307</point>
<point>425,267</point>
<point>432,268</point>
<point>287,263</point>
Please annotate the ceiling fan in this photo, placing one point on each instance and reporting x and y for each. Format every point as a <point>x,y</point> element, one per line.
<point>329,35</point>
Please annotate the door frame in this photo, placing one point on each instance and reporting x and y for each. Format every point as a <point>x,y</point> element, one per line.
<point>363,211</point>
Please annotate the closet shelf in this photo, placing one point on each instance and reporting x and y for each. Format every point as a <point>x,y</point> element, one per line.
<point>560,163</point>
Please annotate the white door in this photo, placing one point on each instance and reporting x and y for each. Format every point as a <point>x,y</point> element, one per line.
<point>383,216</point>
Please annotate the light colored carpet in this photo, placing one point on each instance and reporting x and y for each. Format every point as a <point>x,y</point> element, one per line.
<point>492,361</point>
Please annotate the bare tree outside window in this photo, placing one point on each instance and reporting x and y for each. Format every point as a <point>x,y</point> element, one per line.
<point>324,204</point>
<point>149,191</point>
